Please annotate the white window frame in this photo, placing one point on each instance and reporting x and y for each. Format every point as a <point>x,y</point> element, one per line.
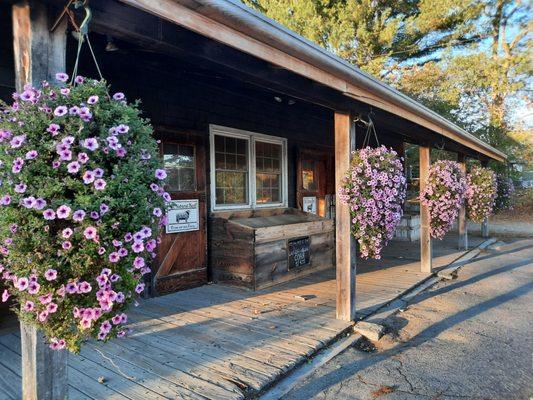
<point>251,138</point>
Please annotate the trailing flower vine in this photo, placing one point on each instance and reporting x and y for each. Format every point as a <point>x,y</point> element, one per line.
<point>444,195</point>
<point>81,202</point>
<point>374,188</point>
<point>481,193</point>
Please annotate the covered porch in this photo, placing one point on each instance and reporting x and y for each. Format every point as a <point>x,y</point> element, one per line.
<point>201,76</point>
<point>223,342</point>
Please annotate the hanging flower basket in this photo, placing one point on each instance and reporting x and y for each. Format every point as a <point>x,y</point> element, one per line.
<point>81,203</point>
<point>481,193</point>
<point>505,191</point>
<point>444,195</point>
<point>374,188</point>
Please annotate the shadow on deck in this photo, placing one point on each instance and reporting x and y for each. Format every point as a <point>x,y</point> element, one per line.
<point>221,342</point>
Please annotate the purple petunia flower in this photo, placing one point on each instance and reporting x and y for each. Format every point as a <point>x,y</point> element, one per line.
<point>65,155</point>
<point>20,187</point>
<point>22,284</point>
<point>94,215</point>
<point>157,212</point>
<point>84,287</point>
<point>53,129</point>
<point>92,99</point>
<point>61,76</point>
<point>88,177</point>
<point>49,214</point>
<point>98,172</point>
<point>71,288</point>
<point>90,144</point>
<point>30,155</point>
<point>114,257</point>
<point>40,203</point>
<point>78,215</point>
<point>99,184</point>
<point>64,91</point>
<point>28,202</point>
<point>104,208</point>
<point>60,111</point>
<point>122,128</point>
<point>118,96</point>
<point>83,158</point>
<point>17,141</point>
<point>85,114</point>
<point>137,247</point>
<point>90,233</point>
<point>50,274</point>
<point>74,110</point>
<point>160,174</point>
<point>79,79</point>
<point>138,262</point>
<point>56,164</point>
<point>66,245</point>
<point>63,211</point>
<point>67,232</point>
<point>73,167</point>
<point>139,288</point>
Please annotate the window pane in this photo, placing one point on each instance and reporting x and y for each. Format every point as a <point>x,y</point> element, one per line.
<point>268,172</point>
<point>186,156</point>
<point>220,161</point>
<point>180,164</point>
<point>186,177</point>
<point>231,170</point>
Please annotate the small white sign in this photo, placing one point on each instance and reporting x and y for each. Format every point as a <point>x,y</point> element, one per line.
<point>309,204</point>
<point>183,216</point>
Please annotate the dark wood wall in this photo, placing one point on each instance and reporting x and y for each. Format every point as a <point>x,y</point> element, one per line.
<point>184,97</point>
<point>7,66</point>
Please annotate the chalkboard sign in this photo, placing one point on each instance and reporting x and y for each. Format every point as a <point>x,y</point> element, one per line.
<point>298,252</point>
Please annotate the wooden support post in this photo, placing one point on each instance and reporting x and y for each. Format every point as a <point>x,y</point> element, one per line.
<point>44,371</point>
<point>485,228</point>
<point>426,249</point>
<point>345,244</point>
<point>39,54</point>
<point>485,223</point>
<point>461,223</point>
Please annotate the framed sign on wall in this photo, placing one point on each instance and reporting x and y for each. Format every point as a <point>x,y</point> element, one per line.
<point>309,204</point>
<point>183,216</point>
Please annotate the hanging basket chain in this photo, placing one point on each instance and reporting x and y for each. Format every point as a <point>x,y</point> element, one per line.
<point>83,35</point>
<point>370,131</point>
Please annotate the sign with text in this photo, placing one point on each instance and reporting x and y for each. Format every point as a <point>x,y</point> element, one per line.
<point>183,216</point>
<point>309,204</point>
<point>298,251</point>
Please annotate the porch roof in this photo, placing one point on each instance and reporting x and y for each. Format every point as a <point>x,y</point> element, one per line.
<point>236,25</point>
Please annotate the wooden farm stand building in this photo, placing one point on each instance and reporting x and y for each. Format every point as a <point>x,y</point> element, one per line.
<point>255,124</point>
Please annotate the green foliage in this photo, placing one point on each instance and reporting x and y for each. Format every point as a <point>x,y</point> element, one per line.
<point>470,61</point>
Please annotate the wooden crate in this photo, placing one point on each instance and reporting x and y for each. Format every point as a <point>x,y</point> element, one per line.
<point>409,228</point>
<point>249,248</point>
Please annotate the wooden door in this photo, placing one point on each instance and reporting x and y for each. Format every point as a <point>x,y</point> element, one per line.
<point>315,179</point>
<point>182,257</point>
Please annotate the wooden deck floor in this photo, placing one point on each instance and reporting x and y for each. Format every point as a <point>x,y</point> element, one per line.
<point>217,342</point>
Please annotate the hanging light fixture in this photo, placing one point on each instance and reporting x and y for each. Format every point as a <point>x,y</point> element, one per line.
<point>110,46</point>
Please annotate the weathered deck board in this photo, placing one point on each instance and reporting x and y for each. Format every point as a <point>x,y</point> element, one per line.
<point>222,342</point>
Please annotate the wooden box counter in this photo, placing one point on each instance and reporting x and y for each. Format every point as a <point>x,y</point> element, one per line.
<point>260,248</point>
